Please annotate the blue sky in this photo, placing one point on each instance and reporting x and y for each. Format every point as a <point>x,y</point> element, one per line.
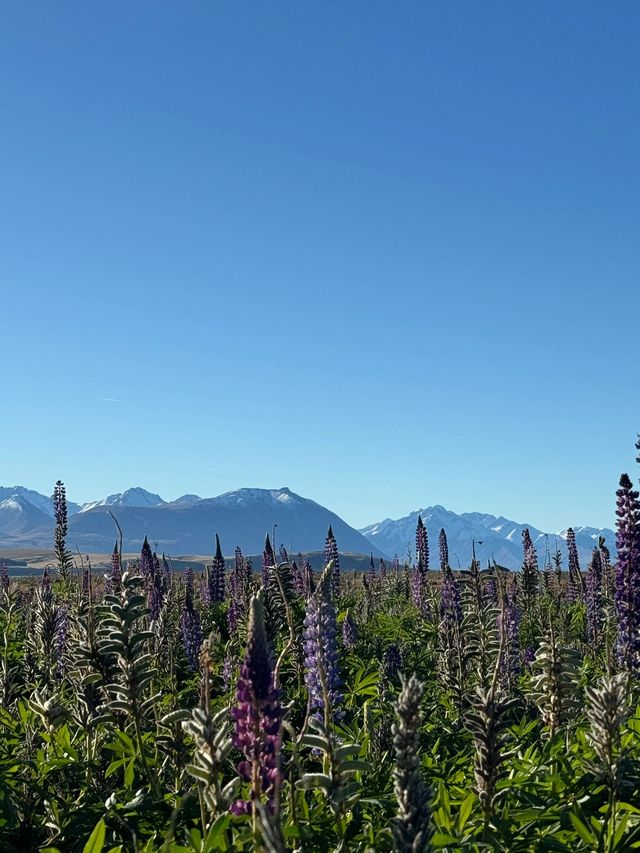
<point>385,254</point>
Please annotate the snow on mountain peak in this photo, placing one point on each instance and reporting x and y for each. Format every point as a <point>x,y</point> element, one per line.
<point>136,496</point>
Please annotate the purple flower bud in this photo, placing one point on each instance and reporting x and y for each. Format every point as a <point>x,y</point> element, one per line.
<point>349,632</point>
<point>627,589</point>
<point>576,584</point>
<point>594,597</point>
<point>204,590</point>
<point>217,576</point>
<point>190,624</point>
<point>450,599</point>
<point>257,715</point>
<point>268,560</point>
<point>146,559</point>
<point>331,554</point>
<point>530,573</point>
<point>511,661</point>
<point>60,642</point>
<point>391,664</point>
<point>422,547</point>
<point>444,550</point>
<point>322,675</point>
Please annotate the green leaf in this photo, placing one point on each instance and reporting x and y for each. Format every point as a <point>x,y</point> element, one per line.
<point>96,839</point>
<point>315,780</point>
<point>465,810</point>
<point>216,839</point>
<point>583,831</point>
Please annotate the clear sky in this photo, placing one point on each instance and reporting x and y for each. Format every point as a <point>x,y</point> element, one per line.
<point>385,254</point>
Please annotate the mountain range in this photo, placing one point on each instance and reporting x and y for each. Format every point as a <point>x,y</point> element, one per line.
<point>184,526</point>
<point>188,524</point>
<point>496,538</point>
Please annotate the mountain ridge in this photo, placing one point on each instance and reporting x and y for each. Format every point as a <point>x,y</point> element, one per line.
<point>187,526</point>
<point>242,517</point>
<point>496,537</point>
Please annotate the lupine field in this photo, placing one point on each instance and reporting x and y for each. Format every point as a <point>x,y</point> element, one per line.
<point>274,708</point>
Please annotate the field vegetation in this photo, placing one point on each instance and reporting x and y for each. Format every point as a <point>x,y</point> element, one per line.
<point>278,708</point>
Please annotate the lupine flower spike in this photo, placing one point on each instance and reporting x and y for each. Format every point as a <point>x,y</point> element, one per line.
<point>258,717</point>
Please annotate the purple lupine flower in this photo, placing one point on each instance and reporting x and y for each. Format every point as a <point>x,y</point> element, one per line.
<point>239,566</point>
<point>284,556</point>
<point>443,546</point>
<point>371,572</point>
<point>529,656</point>
<point>4,576</point>
<point>258,716</point>
<point>236,609</point>
<point>594,596</point>
<point>511,662</point>
<point>190,624</point>
<point>155,596</point>
<point>322,675</point>
<point>268,560</point>
<point>217,576</point>
<point>349,632</point>
<point>63,557</point>
<point>241,575</point>
<point>189,581</point>
<point>307,578</point>
<point>45,586</point>
<point>422,547</point>
<point>576,584</point>
<point>146,559</point>
<point>450,599</point>
<point>331,554</point>
<point>627,591</point>
<point>546,572</point>
<point>491,590</point>
<point>298,578</point>
<point>530,574</point>
<point>60,641</point>
<point>418,592</point>
<point>383,568</point>
<point>60,506</point>
<point>395,565</point>
<point>191,630</point>
<point>204,590</point>
<point>605,562</point>
<point>391,664</point>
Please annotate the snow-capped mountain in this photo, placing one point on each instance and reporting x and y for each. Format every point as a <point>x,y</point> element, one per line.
<point>496,538</point>
<point>18,517</point>
<point>189,524</point>
<point>132,497</point>
<point>35,499</point>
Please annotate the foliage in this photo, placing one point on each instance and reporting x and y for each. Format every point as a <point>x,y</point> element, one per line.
<point>405,709</point>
